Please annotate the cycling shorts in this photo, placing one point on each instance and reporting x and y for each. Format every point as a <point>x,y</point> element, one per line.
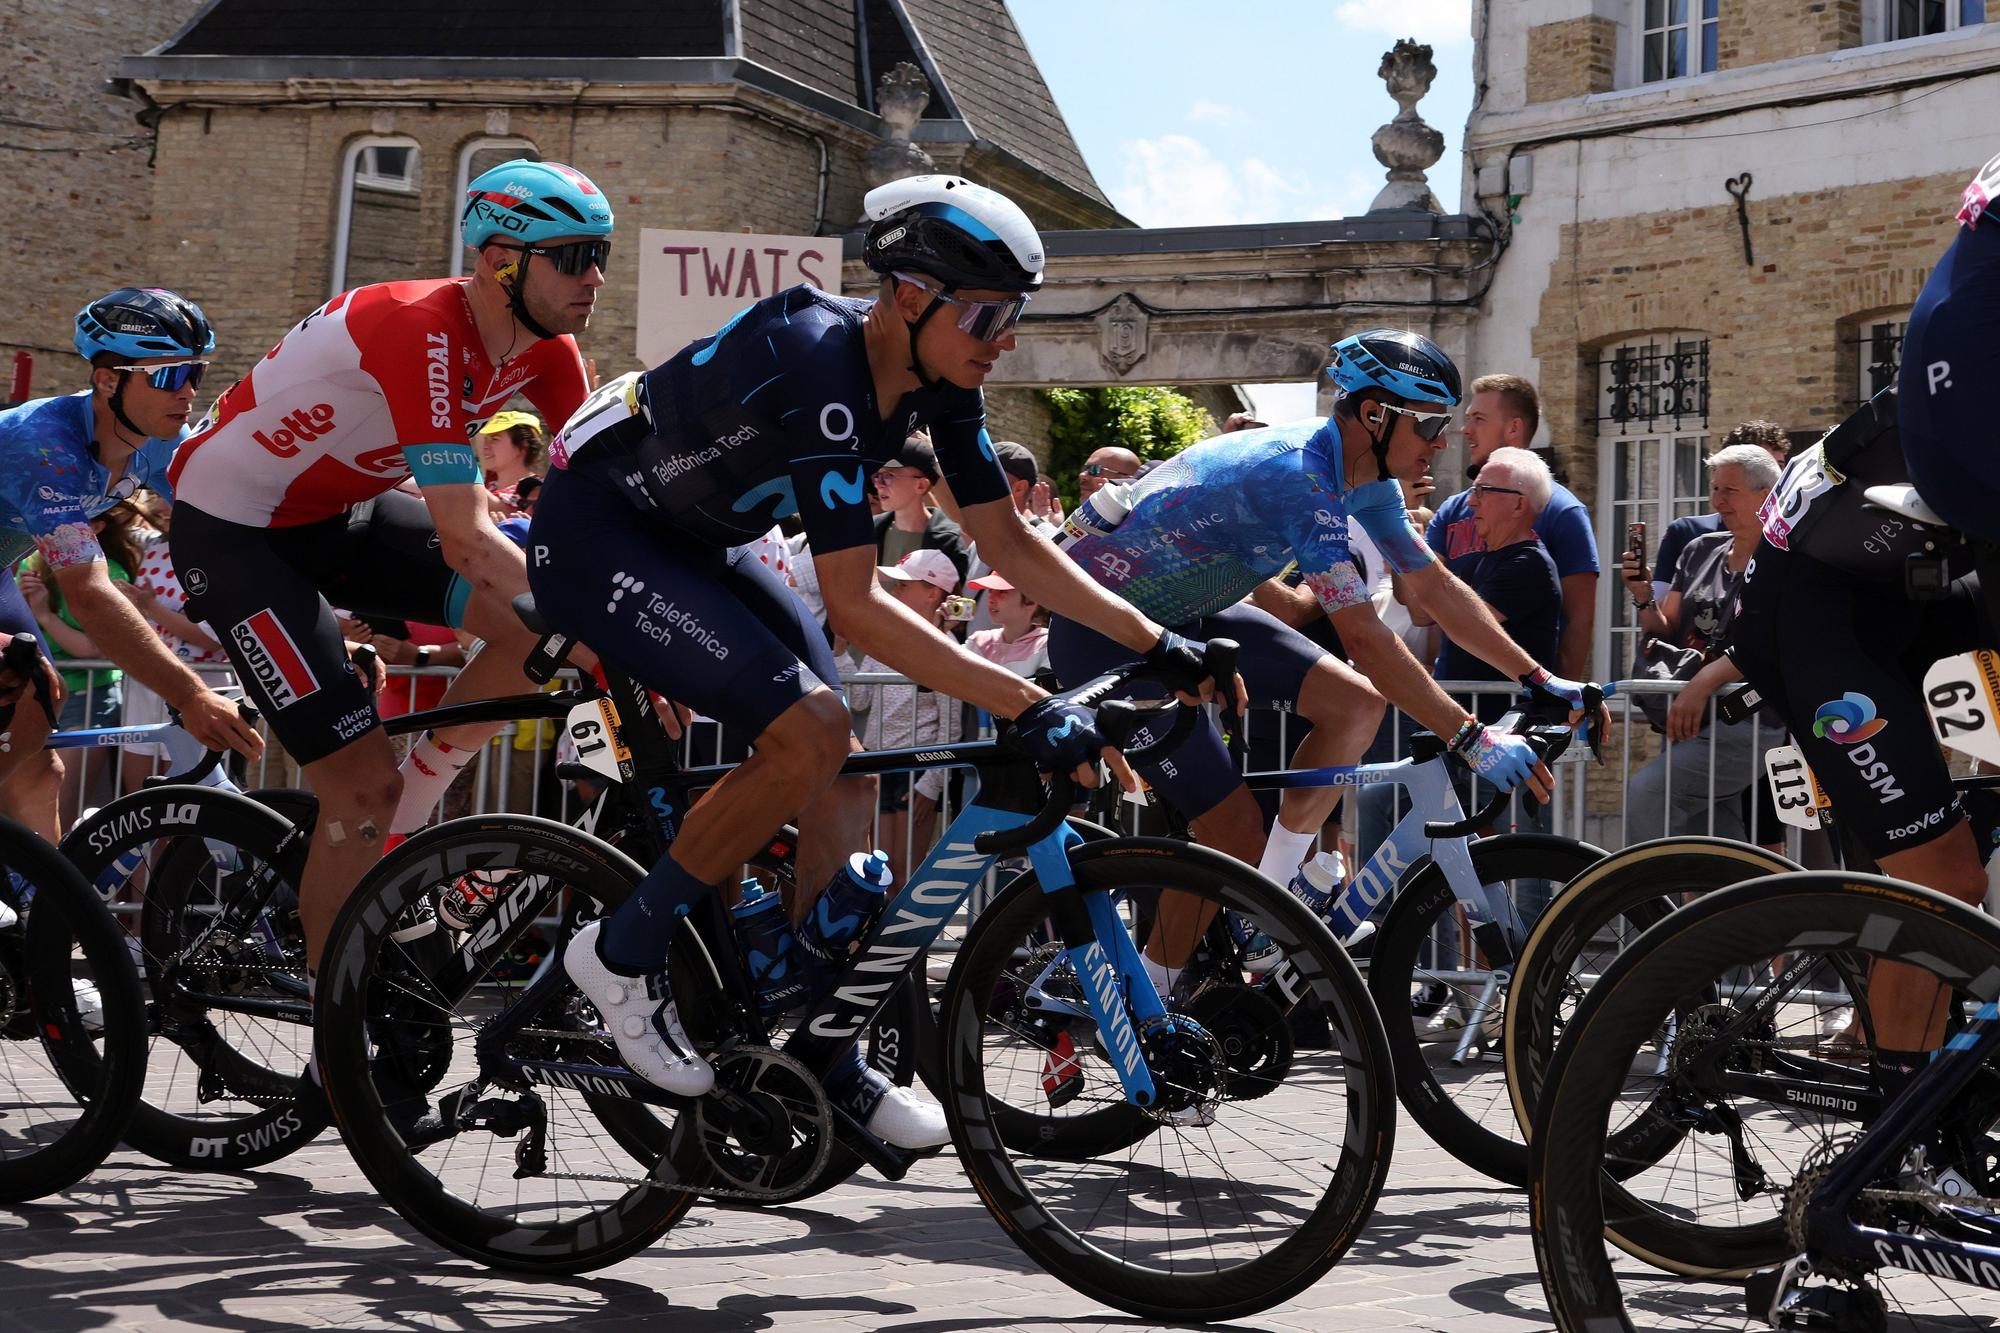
<point>1842,663</point>
<point>707,626</point>
<point>267,594</point>
<point>1197,775</point>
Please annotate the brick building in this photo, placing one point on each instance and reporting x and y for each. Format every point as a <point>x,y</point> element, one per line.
<point>1612,138</point>
<point>299,149</point>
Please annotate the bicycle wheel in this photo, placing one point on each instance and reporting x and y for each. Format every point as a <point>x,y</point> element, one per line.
<point>1442,999</point>
<point>224,962</point>
<point>72,1022</point>
<point>1660,999</point>
<point>516,1175</point>
<point>1590,921</point>
<point>1268,1173</point>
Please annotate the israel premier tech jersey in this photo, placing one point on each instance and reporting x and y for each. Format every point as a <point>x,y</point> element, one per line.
<point>773,415</point>
<point>51,484</point>
<point>1212,523</point>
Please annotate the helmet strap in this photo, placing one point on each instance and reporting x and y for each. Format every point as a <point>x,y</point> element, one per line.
<point>118,406</point>
<point>1378,440</point>
<point>519,307</point>
<point>916,325</point>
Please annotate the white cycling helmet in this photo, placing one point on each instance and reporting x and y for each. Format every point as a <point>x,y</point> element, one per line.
<point>947,228</point>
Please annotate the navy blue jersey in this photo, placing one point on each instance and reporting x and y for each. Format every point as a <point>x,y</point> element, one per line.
<point>773,415</point>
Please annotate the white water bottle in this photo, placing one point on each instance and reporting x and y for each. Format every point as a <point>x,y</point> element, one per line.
<point>1319,879</point>
<point>1097,516</point>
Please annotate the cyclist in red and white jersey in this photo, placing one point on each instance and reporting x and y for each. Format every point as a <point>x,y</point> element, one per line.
<point>288,500</point>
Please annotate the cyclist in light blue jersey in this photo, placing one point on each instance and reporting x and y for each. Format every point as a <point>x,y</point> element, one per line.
<point>1209,526</point>
<point>65,460</point>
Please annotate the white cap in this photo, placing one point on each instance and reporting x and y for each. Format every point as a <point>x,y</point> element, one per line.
<point>932,567</point>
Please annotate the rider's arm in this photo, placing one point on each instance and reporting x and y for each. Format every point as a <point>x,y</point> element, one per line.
<point>1296,607</point>
<point>886,629</point>
<point>453,487</point>
<point>120,633</point>
<point>1045,575</point>
<point>1385,659</point>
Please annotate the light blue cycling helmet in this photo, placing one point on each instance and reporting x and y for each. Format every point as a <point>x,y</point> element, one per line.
<point>528,201</point>
<point>133,323</point>
<point>1398,362</point>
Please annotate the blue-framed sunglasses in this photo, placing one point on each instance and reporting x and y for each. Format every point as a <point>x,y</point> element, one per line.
<point>988,321</point>
<point>171,378</point>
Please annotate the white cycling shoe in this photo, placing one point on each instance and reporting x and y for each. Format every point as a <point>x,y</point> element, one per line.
<point>900,1117</point>
<point>639,1014</point>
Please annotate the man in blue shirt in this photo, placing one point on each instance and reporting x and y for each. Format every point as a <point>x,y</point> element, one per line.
<point>1503,412</point>
<point>65,460</point>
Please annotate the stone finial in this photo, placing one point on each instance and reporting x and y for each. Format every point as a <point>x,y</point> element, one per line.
<point>1406,145</point>
<point>900,99</point>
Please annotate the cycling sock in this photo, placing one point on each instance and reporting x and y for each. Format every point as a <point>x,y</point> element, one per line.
<point>849,1085</point>
<point>1283,853</point>
<point>427,771</point>
<point>1163,976</point>
<point>634,940</point>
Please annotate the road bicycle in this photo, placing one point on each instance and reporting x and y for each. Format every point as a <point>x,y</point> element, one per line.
<point>1182,1180</point>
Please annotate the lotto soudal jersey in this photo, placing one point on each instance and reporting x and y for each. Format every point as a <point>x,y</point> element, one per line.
<point>771,416</point>
<point>1215,521</point>
<point>51,484</point>
<point>323,420</point>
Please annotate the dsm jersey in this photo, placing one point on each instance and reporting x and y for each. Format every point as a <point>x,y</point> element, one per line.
<point>321,422</point>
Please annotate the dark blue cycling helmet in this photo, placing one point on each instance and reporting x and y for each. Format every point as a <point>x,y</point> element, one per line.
<point>139,322</point>
<point>1399,362</point>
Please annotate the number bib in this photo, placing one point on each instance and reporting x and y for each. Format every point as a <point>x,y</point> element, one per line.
<point>593,728</point>
<point>1794,789</point>
<point>1963,695</point>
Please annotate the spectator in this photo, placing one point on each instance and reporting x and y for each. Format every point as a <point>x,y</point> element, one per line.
<point>1241,421</point>
<point>1502,412</point>
<point>1766,435</point>
<point>908,521</point>
<point>157,594</point>
<point>1695,614</point>
<point>1019,639</point>
<point>899,716</point>
<point>512,448</point>
<point>1031,494</point>
<point>1108,464</point>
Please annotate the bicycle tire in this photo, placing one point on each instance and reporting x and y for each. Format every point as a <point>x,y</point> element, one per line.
<point>65,946</point>
<point>1324,1215</point>
<point>1577,1208</point>
<point>362,958</point>
<point>1636,884</point>
<point>1466,1109</point>
<point>230,1094</point>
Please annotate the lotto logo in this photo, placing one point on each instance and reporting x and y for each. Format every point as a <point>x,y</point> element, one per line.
<point>622,583</point>
<point>308,424</point>
<point>274,661</point>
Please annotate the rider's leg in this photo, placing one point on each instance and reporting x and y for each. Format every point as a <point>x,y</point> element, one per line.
<point>1908,1003</point>
<point>357,786</point>
<point>31,774</point>
<point>1345,712</point>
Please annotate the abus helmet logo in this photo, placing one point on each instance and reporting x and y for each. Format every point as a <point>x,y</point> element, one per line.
<point>621,583</point>
<point>1848,720</point>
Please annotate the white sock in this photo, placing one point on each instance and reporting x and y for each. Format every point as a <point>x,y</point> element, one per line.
<point>427,770</point>
<point>1162,975</point>
<point>312,1061</point>
<point>1283,853</point>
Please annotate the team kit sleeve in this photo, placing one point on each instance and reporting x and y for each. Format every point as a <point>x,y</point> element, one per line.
<point>965,452</point>
<point>416,366</point>
<point>47,492</point>
<point>1310,524</point>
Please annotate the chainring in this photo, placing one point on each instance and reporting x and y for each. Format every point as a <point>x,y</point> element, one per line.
<point>792,1102</point>
<point>1252,1031</point>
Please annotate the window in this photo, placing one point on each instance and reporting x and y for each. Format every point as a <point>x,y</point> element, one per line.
<point>1877,349</point>
<point>379,234</point>
<point>1677,38</point>
<point>1652,435</point>
<point>475,159</point>
<point>1921,18</point>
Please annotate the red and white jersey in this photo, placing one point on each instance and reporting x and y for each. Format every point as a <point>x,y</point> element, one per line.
<point>321,422</point>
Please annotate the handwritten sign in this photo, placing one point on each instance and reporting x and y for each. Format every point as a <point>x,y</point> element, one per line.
<point>691,282</point>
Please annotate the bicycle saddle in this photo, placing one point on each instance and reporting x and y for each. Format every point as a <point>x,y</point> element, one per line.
<point>1904,500</point>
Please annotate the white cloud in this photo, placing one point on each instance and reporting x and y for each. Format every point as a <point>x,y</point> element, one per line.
<point>1439,22</point>
<point>1177,181</point>
<point>1205,112</point>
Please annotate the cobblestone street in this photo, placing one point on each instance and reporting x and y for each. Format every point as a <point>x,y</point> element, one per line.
<point>305,1244</point>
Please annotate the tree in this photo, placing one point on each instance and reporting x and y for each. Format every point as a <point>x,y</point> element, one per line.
<point>1152,422</point>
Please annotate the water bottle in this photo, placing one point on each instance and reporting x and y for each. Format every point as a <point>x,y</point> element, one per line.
<point>1318,880</point>
<point>843,914</point>
<point>1097,516</point>
<point>764,934</point>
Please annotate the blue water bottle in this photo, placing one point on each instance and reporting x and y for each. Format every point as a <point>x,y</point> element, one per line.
<point>843,914</point>
<point>765,935</point>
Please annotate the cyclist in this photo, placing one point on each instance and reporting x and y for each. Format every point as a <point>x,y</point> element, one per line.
<point>1828,632</point>
<point>1215,522</point>
<point>636,549</point>
<point>63,461</point>
<point>288,495</point>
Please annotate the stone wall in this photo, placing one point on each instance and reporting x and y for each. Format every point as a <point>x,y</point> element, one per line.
<point>1571,58</point>
<point>1773,30</point>
<point>80,220</point>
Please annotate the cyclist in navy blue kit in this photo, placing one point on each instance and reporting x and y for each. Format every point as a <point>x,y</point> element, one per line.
<point>1830,634</point>
<point>67,459</point>
<point>636,549</point>
<point>1209,526</point>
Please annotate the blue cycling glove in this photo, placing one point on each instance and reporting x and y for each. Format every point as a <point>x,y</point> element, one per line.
<point>1177,662</point>
<point>1058,734</point>
<point>1503,760</point>
<point>1569,691</point>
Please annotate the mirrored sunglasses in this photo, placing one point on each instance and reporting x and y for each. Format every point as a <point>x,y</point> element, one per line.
<point>575,258</point>
<point>1429,425</point>
<point>988,321</point>
<point>170,378</point>
<point>1099,470</point>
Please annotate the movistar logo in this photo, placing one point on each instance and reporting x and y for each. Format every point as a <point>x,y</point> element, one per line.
<point>834,488</point>
<point>1062,732</point>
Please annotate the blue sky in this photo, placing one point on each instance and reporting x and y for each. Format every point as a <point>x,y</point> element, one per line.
<point>1194,113</point>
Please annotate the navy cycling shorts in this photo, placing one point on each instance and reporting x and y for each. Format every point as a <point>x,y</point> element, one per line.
<point>707,626</point>
<point>1196,775</point>
<point>1843,663</point>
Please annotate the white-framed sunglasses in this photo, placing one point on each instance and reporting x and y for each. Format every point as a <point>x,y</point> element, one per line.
<point>170,377</point>
<point>1429,425</point>
<point>988,321</point>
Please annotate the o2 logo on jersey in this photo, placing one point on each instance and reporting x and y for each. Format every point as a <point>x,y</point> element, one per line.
<point>836,423</point>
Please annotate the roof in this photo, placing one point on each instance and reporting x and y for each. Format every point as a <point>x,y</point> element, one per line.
<point>985,85</point>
